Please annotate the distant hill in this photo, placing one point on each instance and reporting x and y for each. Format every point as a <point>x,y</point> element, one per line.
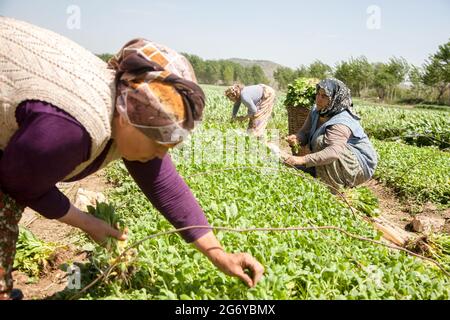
<point>268,67</point>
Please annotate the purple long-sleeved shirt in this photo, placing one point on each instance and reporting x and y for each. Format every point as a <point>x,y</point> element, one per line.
<point>50,143</point>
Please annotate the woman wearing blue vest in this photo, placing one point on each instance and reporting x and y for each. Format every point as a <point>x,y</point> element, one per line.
<point>341,153</point>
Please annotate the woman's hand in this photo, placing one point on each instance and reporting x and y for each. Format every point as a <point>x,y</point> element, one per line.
<point>99,231</point>
<point>96,228</point>
<point>292,140</point>
<point>232,264</point>
<point>242,118</point>
<point>235,265</point>
<point>295,161</point>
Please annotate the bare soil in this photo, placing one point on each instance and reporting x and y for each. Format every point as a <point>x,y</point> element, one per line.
<point>400,212</point>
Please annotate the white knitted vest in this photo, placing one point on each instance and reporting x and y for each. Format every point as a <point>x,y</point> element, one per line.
<point>37,64</point>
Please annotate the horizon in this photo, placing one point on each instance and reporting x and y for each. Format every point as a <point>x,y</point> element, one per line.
<point>289,33</point>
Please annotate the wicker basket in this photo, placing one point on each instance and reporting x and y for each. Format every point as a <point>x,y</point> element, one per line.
<point>296,118</point>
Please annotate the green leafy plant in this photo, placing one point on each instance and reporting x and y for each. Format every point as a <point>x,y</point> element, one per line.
<point>415,127</point>
<point>33,255</point>
<point>433,245</point>
<point>301,93</point>
<point>363,200</point>
<point>440,243</point>
<point>106,212</point>
<point>112,250</point>
<point>420,174</point>
<point>296,148</point>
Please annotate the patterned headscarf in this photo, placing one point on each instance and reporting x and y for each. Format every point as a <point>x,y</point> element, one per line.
<point>157,90</point>
<point>234,91</point>
<point>340,97</point>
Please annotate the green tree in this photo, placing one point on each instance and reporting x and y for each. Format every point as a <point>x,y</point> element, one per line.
<point>437,70</point>
<point>319,70</point>
<point>302,72</point>
<point>284,76</point>
<point>228,73</point>
<point>258,75</point>
<point>398,68</point>
<point>382,79</point>
<point>418,88</point>
<point>387,76</point>
<point>212,72</point>
<point>239,74</point>
<point>225,72</point>
<point>415,75</point>
<point>357,74</point>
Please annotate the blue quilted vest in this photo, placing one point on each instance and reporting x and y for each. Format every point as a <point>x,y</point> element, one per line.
<point>358,141</point>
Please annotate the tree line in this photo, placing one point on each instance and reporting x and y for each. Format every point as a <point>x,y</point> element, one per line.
<point>429,83</point>
<point>225,72</point>
<point>219,72</point>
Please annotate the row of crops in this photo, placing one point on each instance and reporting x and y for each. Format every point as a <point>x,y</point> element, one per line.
<point>413,146</point>
<point>415,126</point>
<point>317,264</point>
<point>422,174</point>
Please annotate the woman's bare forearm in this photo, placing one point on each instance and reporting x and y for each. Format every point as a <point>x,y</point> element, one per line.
<point>209,246</point>
<point>76,218</point>
<point>96,228</point>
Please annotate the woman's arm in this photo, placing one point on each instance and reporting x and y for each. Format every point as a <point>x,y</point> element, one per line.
<point>164,187</point>
<point>97,229</point>
<point>335,140</point>
<point>229,263</point>
<point>236,107</point>
<point>47,146</point>
<point>247,100</point>
<point>44,149</point>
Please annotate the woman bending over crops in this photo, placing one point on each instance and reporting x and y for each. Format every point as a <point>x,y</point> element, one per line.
<point>259,101</point>
<point>65,115</point>
<point>342,155</point>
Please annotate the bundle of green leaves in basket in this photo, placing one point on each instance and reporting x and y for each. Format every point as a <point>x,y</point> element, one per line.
<point>300,98</point>
<point>301,93</point>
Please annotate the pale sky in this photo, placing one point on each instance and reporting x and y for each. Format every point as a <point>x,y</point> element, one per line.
<point>287,32</point>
